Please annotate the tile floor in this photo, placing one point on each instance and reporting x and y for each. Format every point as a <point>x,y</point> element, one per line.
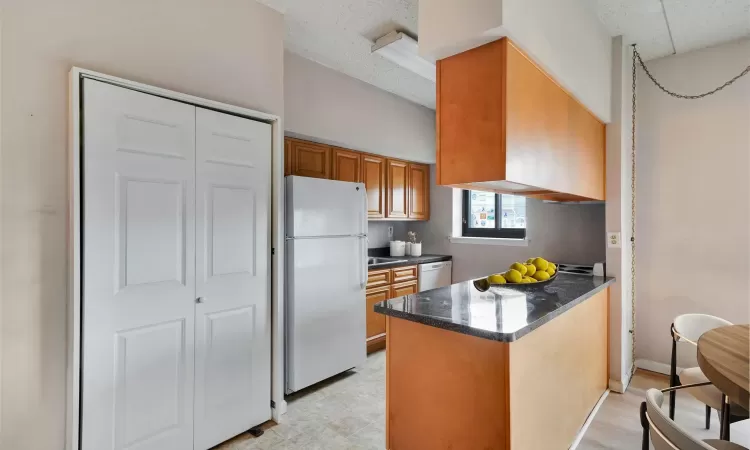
<point>348,412</point>
<point>345,412</point>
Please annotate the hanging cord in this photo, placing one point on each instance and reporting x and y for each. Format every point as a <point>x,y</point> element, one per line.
<point>637,55</point>
<point>636,61</point>
<point>632,219</point>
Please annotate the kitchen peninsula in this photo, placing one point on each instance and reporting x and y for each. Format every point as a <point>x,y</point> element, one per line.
<point>516,367</point>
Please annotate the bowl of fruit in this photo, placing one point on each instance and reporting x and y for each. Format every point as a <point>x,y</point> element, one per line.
<point>533,271</point>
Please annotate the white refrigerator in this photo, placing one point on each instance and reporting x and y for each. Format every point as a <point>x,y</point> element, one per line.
<point>326,260</point>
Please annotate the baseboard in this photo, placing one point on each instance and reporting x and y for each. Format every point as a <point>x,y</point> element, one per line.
<point>588,421</point>
<point>620,386</point>
<point>653,366</point>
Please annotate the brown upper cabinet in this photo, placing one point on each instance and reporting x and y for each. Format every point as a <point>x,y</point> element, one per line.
<point>373,176</point>
<point>308,159</point>
<point>398,184</point>
<point>504,125</point>
<point>396,189</point>
<point>419,191</point>
<point>347,165</point>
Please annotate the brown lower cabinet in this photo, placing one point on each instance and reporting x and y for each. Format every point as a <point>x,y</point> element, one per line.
<point>383,285</point>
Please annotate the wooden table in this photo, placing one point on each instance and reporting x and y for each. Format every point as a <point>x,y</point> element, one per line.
<point>724,356</point>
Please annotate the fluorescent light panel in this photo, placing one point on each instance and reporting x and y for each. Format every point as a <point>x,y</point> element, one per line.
<point>402,50</point>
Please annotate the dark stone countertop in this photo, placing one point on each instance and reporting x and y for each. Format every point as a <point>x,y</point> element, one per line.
<point>502,313</point>
<point>410,261</point>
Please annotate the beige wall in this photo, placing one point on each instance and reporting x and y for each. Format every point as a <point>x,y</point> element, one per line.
<point>330,107</point>
<point>228,50</point>
<point>562,233</point>
<point>693,230</point>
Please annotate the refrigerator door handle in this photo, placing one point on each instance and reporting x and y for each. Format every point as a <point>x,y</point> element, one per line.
<point>363,248</point>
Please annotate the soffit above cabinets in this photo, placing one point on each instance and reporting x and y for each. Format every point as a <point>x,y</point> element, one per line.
<point>339,34</point>
<point>664,27</point>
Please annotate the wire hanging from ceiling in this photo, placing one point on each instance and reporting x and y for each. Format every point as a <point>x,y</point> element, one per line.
<point>637,60</point>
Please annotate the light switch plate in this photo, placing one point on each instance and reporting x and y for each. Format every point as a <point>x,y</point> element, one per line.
<point>613,239</point>
<point>390,232</point>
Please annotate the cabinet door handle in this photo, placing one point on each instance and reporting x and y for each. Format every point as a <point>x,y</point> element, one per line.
<point>200,300</point>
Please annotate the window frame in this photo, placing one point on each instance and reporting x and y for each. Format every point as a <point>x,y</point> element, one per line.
<point>497,233</point>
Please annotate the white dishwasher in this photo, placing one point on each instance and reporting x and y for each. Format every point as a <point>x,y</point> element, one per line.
<point>435,275</point>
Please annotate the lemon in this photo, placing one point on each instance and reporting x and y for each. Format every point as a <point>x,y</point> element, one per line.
<point>541,275</point>
<point>552,266</point>
<point>540,263</point>
<point>513,276</point>
<point>530,269</point>
<point>529,280</point>
<point>497,278</point>
<point>519,267</point>
<point>550,271</point>
<point>530,260</point>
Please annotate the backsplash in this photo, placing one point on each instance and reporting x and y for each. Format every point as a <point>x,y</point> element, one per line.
<point>377,232</point>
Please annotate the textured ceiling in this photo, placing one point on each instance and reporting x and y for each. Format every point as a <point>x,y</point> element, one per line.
<point>693,24</point>
<point>340,33</point>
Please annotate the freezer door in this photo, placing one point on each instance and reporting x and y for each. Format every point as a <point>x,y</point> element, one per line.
<point>325,308</point>
<point>317,207</point>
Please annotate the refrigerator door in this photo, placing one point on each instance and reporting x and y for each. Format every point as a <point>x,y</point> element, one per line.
<point>317,207</point>
<point>325,308</point>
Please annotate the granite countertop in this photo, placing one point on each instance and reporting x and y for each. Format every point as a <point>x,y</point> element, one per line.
<point>502,313</point>
<point>410,261</point>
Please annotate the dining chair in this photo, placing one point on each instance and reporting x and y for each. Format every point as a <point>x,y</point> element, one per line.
<point>688,328</point>
<point>668,435</point>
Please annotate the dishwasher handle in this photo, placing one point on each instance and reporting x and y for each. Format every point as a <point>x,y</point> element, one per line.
<point>434,266</point>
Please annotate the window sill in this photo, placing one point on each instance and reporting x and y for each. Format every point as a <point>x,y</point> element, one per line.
<point>489,241</point>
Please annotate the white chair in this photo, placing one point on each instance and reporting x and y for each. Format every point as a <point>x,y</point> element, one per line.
<point>667,435</point>
<point>688,328</point>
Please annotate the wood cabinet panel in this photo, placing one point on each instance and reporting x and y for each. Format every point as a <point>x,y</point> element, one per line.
<point>397,193</point>
<point>401,274</point>
<point>576,358</point>
<point>287,156</point>
<point>375,321</point>
<point>419,191</point>
<point>347,165</point>
<point>373,176</point>
<point>470,115</point>
<point>376,278</point>
<point>397,290</point>
<point>309,159</point>
<point>586,141</point>
<point>536,127</point>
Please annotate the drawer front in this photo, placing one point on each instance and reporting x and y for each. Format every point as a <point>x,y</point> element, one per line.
<point>410,287</point>
<point>377,278</point>
<point>375,321</point>
<point>402,274</point>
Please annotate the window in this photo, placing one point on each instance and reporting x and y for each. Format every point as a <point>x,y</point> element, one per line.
<point>491,215</point>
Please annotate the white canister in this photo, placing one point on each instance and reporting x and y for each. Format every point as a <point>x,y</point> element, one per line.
<point>416,249</point>
<point>398,248</point>
<point>408,248</point>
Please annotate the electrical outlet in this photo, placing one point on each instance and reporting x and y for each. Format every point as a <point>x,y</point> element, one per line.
<point>613,239</point>
<point>390,232</point>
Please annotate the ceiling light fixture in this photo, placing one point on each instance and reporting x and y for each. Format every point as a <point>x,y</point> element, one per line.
<point>402,50</point>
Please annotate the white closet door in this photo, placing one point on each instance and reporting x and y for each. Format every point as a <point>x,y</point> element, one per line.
<point>233,331</point>
<point>138,270</point>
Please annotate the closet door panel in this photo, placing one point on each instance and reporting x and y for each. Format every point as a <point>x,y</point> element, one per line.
<point>233,340</point>
<point>138,269</point>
